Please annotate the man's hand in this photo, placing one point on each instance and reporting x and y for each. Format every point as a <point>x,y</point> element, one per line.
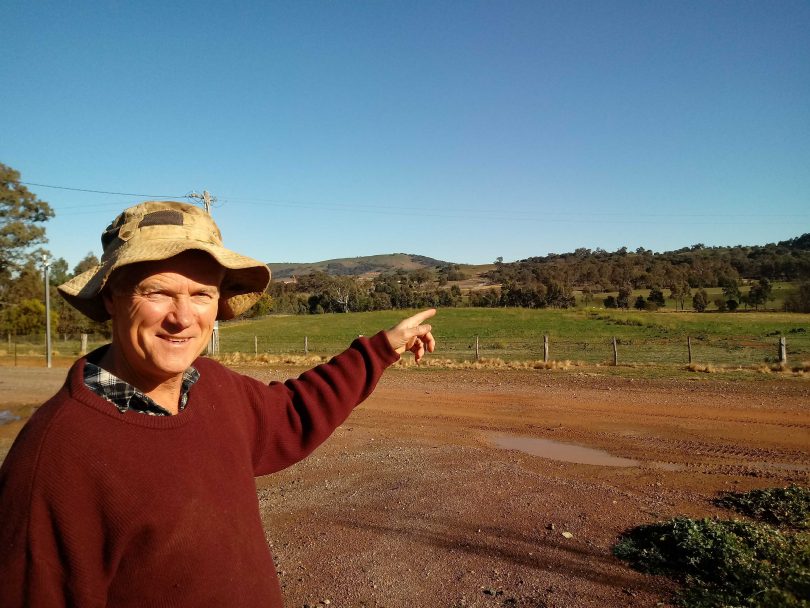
<point>410,335</point>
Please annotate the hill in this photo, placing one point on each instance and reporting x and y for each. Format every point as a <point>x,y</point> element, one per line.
<point>359,266</point>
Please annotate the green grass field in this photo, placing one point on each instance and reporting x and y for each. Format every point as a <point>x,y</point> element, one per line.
<point>577,335</point>
<point>743,338</point>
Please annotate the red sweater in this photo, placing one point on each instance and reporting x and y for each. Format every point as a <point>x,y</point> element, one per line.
<point>99,508</point>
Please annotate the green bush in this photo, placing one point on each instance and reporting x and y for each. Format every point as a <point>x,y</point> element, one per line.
<point>723,562</point>
<point>730,562</point>
<point>788,507</point>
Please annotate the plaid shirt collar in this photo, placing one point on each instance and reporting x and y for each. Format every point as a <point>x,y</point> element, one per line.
<point>126,397</point>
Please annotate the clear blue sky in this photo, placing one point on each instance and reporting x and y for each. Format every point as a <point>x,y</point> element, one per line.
<point>458,130</point>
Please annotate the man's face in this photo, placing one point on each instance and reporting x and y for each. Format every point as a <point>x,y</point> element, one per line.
<point>163,314</point>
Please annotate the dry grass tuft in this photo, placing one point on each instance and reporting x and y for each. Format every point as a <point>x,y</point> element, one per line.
<point>267,359</point>
<point>803,367</point>
<point>700,367</point>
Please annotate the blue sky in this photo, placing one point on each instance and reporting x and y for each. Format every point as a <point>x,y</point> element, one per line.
<point>462,131</point>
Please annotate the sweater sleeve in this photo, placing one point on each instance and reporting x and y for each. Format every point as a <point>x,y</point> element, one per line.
<point>295,417</point>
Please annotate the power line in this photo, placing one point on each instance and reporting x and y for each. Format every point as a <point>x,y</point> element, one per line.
<point>102,191</point>
<point>585,217</point>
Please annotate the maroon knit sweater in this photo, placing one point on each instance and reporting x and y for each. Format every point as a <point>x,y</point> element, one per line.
<point>99,508</point>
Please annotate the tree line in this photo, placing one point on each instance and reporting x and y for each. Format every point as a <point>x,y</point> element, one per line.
<point>538,282</point>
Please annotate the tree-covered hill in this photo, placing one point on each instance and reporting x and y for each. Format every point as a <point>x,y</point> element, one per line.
<point>696,266</point>
<point>357,266</point>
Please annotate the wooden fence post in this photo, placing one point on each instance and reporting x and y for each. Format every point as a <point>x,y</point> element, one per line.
<point>256,345</point>
<point>615,352</point>
<point>782,350</point>
<point>545,349</point>
<point>306,345</point>
<point>689,348</point>
<point>477,351</point>
<point>84,345</point>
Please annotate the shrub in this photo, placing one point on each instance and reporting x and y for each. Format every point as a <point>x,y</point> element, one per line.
<point>723,562</point>
<point>732,562</point>
<point>789,507</point>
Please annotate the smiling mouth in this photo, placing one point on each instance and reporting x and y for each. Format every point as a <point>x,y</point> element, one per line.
<point>171,340</point>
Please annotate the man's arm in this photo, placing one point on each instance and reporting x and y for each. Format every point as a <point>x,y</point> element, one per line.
<point>295,417</point>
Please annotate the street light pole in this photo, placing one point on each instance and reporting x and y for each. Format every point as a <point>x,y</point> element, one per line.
<point>47,265</point>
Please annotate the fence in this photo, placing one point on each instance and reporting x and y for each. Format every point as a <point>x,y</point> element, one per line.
<point>622,350</point>
<point>32,346</point>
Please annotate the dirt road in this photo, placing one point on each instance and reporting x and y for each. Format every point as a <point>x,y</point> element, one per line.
<point>453,488</point>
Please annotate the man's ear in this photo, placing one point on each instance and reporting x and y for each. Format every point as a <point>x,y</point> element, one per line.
<point>107,298</point>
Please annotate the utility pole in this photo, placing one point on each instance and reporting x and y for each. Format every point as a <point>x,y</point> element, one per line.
<point>207,199</point>
<point>47,264</point>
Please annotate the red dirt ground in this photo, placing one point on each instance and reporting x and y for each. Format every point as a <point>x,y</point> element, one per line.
<point>412,503</point>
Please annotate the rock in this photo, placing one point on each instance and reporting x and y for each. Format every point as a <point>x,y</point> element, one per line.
<point>550,526</point>
<point>567,535</point>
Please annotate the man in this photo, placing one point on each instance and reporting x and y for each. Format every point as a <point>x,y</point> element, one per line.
<point>134,484</point>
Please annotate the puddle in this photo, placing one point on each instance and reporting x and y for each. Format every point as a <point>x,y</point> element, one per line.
<point>6,417</point>
<point>565,452</point>
<point>569,452</point>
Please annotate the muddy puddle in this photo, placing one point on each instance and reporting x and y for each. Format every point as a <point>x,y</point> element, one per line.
<point>579,454</point>
<point>564,452</point>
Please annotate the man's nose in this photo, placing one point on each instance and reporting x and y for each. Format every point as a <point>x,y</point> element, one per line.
<point>181,314</point>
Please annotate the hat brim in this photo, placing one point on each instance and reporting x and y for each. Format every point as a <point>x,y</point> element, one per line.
<point>244,282</point>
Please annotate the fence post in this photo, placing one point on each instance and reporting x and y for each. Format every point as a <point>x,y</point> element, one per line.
<point>84,345</point>
<point>782,350</point>
<point>477,351</point>
<point>256,345</point>
<point>545,349</point>
<point>689,348</point>
<point>615,352</point>
<point>306,345</point>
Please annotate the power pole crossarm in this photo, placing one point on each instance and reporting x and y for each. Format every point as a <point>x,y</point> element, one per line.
<point>205,198</point>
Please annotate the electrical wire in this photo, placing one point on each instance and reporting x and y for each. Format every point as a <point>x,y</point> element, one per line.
<point>495,214</point>
<point>103,191</point>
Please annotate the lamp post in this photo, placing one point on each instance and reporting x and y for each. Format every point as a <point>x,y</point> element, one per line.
<point>46,263</point>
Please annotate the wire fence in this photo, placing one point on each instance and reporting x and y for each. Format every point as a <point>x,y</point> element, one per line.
<point>716,351</point>
<point>746,351</point>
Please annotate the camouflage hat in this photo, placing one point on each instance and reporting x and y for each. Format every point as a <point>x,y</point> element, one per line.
<point>159,230</point>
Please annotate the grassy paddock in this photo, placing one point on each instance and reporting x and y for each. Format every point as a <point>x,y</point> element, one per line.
<point>747,339</point>
<point>517,334</point>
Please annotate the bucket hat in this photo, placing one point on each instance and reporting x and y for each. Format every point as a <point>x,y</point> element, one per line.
<point>159,230</point>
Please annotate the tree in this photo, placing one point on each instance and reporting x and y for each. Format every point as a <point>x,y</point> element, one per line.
<point>680,291</point>
<point>759,293</point>
<point>639,304</point>
<point>21,217</point>
<point>700,300</point>
<point>27,317</point>
<point>799,301</point>
<point>731,288</point>
<point>610,302</point>
<point>86,263</point>
<point>623,299</point>
<point>262,307</point>
<point>657,297</point>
